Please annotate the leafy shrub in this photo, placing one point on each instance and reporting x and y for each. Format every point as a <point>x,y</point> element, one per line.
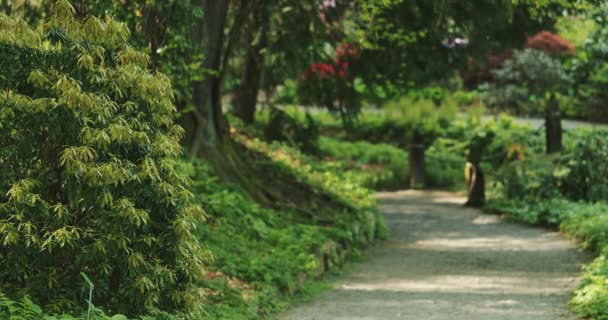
<point>590,68</point>
<point>467,98</point>
<point>287,93</point>
<point>348,192</point>
<point>585,174</point>
<point>529,178</point>
<point>529,76</point>
<point>444,168</point>
<point>579,173</point>
<point>425,116</point>
<point>258,252</point>
<point>332,84</point>
<point>283,128</point>
<point>591,299</point>
<point>512,142</point>
<point>388,165</point>
<point>88,180</point>
<point>550,212</point>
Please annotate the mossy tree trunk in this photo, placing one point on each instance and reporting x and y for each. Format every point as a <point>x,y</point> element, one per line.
<point>553,125</point>
<point>247,94</point>
<point>205,125</point>
<point>207,133</point>
<point>476,195</point>
<point>417,161</point>
<point>474,174</point>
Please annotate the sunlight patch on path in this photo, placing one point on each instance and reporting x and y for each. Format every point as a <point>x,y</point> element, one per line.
<point>494,244</point>
<point>471,284</point>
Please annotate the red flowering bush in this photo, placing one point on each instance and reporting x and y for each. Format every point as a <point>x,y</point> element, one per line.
<point>549,43</point>
<point>331,84</point>
<point>545,41</point>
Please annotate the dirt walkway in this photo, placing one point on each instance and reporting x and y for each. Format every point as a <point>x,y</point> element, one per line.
<point>444,261</point>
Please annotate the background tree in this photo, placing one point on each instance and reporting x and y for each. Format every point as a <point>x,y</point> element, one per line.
<point>533,74</point>
<point>589,66</point>
<point>246,97</point>
<point>416,43</point>
<point>269,40</point>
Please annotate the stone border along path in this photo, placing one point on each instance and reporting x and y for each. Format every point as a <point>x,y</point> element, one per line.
<point>445,261</point>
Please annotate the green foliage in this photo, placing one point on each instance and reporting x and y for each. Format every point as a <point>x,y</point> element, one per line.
<point>575,28</point>
<point>577,174</point>
<point>411,43</point>
<point>589,66</point>
<point>343,187</point>
<point>422,115</point>
<point>283,128</point>
<point>591,300</point>
<point>362,151</point>
<point>88,180</point>
<point>585,168</point>
<point>550,212</point>
<point>162,29</point>
<point>25,309</point>
<point>373,152</point>
<point>530,75</point>
<point>314,31</point>
<point>529,178</point>
<point>287,93</point>
<point>264,256</point>
<point>381,166</point>
<point>445,169</point>
<point>259,252</point>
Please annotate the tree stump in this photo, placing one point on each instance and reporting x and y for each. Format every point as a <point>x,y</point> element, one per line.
<point>553,125</point>
<point>417,161</point>
<point>475,185</point>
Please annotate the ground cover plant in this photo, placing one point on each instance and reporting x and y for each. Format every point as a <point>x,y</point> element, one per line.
<point>263,257</point>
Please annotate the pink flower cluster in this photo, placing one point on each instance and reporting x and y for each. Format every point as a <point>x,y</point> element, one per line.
<point>339,68</point>
<point>326,71</point>
<point>347,51</point>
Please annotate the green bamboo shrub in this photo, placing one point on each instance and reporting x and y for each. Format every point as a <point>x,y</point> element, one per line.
<point>87,172</point>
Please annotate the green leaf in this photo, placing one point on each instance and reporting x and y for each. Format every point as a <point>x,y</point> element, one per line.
<point>86,278</point>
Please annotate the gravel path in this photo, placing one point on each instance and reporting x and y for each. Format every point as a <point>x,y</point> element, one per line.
<point>444,261</point>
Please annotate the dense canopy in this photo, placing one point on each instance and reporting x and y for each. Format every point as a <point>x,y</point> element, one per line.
<point>214,159</point>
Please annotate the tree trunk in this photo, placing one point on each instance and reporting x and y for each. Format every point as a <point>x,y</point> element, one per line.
<point>205,125</point>
<point>475,185</point>
<point>247,94</point>
<point>553,125</point>
<point>474,175</point>
<point>417,163</point>
<point>207,133</point>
